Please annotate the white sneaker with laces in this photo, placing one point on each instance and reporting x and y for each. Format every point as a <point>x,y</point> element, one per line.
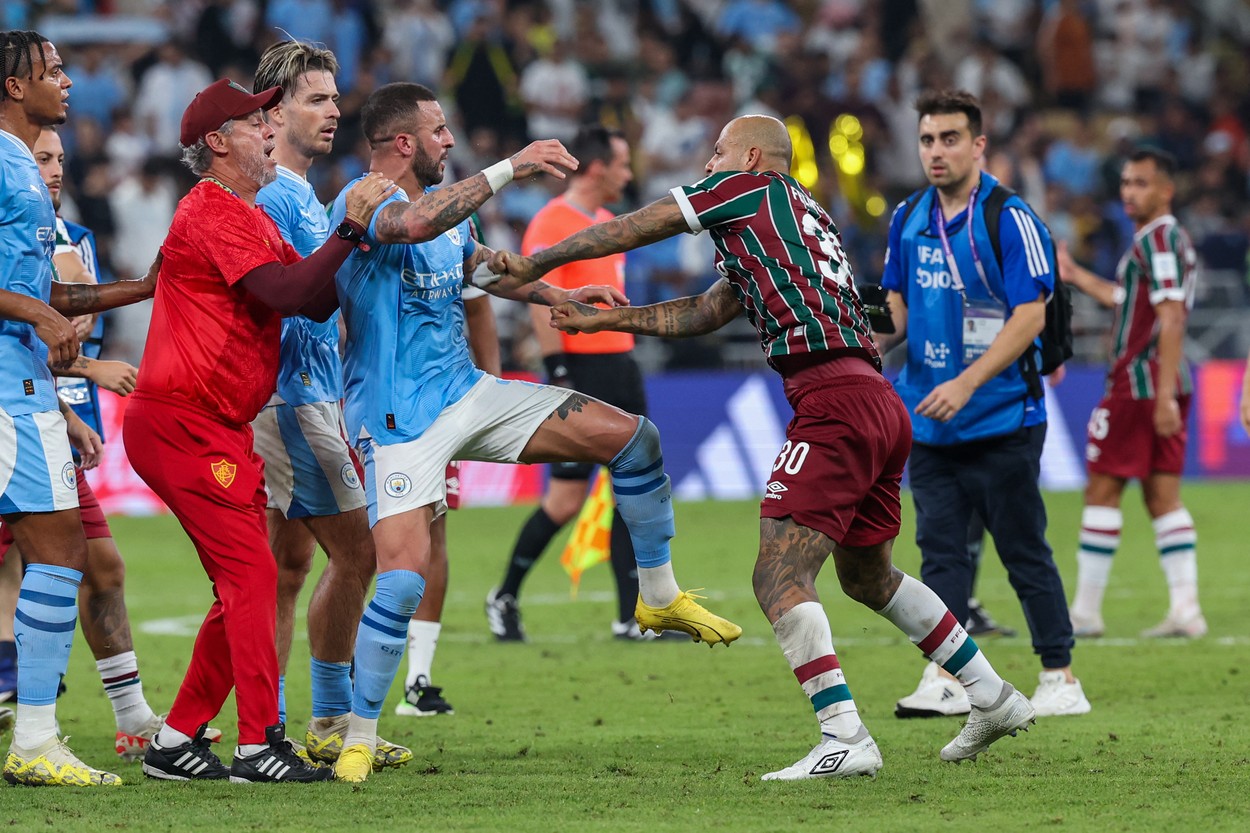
<point>1056,697</point>
<point>1012,713</point>
<point>833,758</point>
<point>1192,626</point>
<point>936,696</point>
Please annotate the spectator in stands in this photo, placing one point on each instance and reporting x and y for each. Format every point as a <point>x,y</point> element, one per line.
<point>165,91</point>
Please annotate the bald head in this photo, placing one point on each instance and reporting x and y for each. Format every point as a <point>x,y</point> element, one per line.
<point>752,143</point>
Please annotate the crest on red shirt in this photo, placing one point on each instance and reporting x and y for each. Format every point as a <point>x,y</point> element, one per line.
<point>224,472</point>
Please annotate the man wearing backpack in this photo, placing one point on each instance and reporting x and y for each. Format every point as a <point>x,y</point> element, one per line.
<point>969,270</point>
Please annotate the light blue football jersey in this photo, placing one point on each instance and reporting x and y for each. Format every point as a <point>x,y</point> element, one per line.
<point>407,358</point>
<point>27,236</point>
<point>310,369</point>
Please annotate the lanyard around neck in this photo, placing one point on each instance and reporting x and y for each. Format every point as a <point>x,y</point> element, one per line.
<point>940,220</point>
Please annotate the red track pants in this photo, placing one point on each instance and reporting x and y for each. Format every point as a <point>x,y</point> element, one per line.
<point>208,474</point>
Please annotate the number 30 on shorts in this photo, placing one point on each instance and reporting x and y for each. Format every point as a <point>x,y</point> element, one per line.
<point>791,457</point>
<point>1099,423</point>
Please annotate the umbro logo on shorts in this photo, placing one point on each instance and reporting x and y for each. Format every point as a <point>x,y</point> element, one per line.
<point>829,763</point>
<point>774,490</point>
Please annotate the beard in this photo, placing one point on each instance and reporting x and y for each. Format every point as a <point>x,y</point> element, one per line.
<point>425,168</point>
<point>255,169</point>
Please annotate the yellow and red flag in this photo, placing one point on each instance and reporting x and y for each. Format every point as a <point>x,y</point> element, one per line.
<point>591,541</point>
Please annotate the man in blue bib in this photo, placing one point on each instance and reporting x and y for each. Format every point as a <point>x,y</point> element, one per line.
<point>971,308</point>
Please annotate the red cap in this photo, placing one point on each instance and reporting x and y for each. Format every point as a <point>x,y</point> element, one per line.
<point>220,102</point>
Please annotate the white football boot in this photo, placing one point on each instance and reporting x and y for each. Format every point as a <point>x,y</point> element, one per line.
<point>834,758</point>
<point>1010,714</point>
<point>936,696</point>
<point>1056,697</point>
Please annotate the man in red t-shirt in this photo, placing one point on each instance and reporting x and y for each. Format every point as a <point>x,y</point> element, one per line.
<point>211,363</point>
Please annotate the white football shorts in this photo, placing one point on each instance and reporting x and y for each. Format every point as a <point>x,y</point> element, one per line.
<point>309,471</point>
<point>36,464</point>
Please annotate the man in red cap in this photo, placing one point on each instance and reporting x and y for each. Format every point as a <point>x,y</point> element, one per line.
<point>227,280</point>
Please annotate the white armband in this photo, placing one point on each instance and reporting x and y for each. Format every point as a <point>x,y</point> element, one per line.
<point>498,175</point>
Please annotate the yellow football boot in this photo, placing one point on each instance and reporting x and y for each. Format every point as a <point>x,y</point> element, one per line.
<point>323,742</point>
<point>51,764</point>
<point>688,616</point>
<point>354,764</point>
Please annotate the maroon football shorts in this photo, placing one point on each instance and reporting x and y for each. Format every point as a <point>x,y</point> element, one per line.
<point>453,484</point>
<point>94,524</point>
<point>840,469</point>
<point>1121,439</point>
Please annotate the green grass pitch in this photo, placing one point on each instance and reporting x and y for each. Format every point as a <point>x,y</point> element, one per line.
<point>574,731</point>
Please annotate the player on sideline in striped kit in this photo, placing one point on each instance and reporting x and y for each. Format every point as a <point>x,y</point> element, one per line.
<point>1140,427</point>
<point>835,484</point>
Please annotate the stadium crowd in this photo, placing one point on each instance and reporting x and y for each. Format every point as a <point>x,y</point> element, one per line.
<point>1069,87</point>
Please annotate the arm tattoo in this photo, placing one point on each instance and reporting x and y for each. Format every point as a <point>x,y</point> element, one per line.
<point>691,316</point>
<point>80,298</point>
<point>657,221</point>
<point>431,214</point>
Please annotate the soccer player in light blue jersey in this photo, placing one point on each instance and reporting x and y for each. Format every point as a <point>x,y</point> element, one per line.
<point>38,489</point>
<point>313,486</point>
<point>415,400</point>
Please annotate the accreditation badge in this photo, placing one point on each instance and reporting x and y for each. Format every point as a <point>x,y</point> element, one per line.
<point>983,321</point>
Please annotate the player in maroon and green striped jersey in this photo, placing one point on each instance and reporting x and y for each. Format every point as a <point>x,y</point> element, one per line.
<point>1140,427</point>
<point>835,485</point>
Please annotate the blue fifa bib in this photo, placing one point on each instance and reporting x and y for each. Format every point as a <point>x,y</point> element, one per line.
<point>948,329</point>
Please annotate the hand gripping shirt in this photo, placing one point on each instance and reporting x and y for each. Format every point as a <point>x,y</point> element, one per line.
<point>783,256</point>
<point>27,234</point>
<point>212,344</point>
<point>407,358</point>
<point>310,369</point>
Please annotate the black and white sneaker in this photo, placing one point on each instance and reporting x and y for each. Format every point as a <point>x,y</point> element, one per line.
<point>276,762</point>
<point>503,614</point>
<point>981,623</point>
<point>190,761</point>
<point>423,700</point>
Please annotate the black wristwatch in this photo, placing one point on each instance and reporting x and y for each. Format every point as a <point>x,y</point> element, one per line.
<point>345,231</point>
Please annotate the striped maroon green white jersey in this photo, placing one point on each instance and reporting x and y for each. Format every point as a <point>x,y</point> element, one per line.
<point>782,255</point>
<point>1162,265</point>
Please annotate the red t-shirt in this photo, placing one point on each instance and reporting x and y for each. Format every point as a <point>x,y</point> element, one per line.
<point>211,343</point>
<point>556,221</point>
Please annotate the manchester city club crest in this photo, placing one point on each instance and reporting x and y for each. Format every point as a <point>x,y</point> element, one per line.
<point>398,484</point>
<point>69,477</point>
<point>350,479</point>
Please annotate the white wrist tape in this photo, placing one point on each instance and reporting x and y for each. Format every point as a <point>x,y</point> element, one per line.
<point>498,175</point>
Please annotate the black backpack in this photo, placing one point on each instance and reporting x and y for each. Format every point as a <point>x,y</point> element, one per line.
<point>1056,335</point>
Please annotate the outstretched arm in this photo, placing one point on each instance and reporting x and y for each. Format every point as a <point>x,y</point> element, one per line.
<point>540,292</point>
<point>694,315</point>
<point>429,215</point>
<point>81,298</point>
<point>658,221</point>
